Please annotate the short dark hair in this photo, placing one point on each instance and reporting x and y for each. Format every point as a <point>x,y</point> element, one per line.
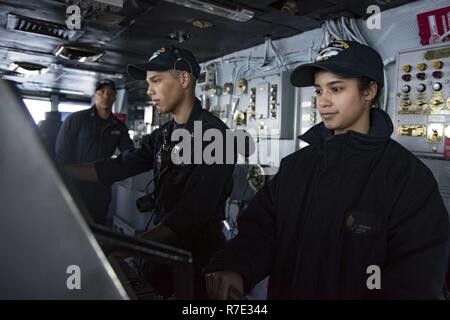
<point>363,84</point>
<point>177,73</point>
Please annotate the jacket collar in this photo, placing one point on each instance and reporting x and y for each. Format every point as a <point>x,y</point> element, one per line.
<point>193,116</point>
<point>111,119</point>
<point>381,129</point>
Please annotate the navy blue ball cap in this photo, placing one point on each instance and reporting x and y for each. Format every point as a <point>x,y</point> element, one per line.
<point>342,57</point>
<point>105,82</point>
<point>166,58</point>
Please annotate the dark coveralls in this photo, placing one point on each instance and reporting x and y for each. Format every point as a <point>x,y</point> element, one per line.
<point>190,198</point>
<point>336,207</point>
<point>84,137</point>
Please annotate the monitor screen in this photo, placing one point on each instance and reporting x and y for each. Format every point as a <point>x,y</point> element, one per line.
<point>47,246</point>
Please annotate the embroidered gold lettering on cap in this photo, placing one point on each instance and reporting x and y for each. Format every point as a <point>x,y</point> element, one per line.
<point>343,44</point>
<point>157,53</point>
<point>333,49</point>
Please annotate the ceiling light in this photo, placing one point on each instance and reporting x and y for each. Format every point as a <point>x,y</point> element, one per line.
<point>117,3</point>
<point>289,8</point>
<point>202,24</point>
<point>78,53</point>
<point>26,68</point>
<point>108,18</point>
<point>238,14</point>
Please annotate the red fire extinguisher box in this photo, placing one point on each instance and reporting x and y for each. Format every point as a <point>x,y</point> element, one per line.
<point>433,24</point>
<point>447,148</point>
<point>121,116</point>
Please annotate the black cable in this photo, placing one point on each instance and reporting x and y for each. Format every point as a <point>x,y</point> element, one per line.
<point>150,220</point>
<point>141,265</point>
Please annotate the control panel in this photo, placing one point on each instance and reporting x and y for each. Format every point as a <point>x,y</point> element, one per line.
<point>270,109</point>
<point>422,115</point>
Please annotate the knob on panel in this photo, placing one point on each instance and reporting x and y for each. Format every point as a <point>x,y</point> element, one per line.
<point>406,68</point>
<point>422,66</point>
<point>437,86</point>
<point>421,88</point>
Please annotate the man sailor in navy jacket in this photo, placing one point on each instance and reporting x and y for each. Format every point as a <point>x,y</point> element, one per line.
<point>90,135</point>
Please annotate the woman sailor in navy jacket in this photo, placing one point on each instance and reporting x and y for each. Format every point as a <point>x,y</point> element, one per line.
<point>353,215</point>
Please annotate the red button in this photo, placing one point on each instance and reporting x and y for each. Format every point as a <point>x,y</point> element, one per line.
<point>437,74</point>
<point>421,76</point>
<point>406,77</point>
<point>447,147</point>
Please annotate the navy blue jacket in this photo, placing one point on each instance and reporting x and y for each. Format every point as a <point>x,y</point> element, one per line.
<point>336,207</point>
<point>85,137</point>
<point>192,196</point>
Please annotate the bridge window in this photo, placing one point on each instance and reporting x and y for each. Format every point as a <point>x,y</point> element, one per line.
<point>37,108</point>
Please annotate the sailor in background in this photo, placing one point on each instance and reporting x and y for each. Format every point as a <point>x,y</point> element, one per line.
<point>90,135</point>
